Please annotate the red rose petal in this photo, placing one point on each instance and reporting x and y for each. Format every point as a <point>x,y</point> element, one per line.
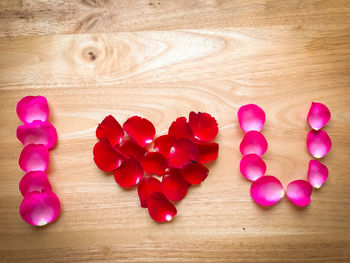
<point>253,142</point>
<point>318,115</point>
<point>159,208</point>
<point>131,149</point>
<point>140,130</point>
<point>299,192</point>
<point>318,143</point>
<point>207,152</point>
<point>34,157</point>
<point>154,163</point>
<point>182,153</point>
<point>181,129</point>
<point>204,126</point>
<point>106,157</point>
<point>129,173</point>
<point>163,144</point>
<point>110,129</point>
<point>267,190</point>
<point>195,173</point>
<point>32,108</point>
<point>146,187</point>
<point>174,187</point>
<point>35,181</point>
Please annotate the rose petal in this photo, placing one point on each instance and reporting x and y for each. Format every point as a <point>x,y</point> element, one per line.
<point>182,153</point>
<point>253,142</point>
<point>34,181</point>
<point>31,108</point>
<point>38,132</point>
<point>163,144</point>
<point>195,173</point>
<point>106,157</point>
<point>174,187</point>
<point>252,167</point>
<point>129,173</point>
<point>318,143</point>
<point>159,208</point>
<point>180,129</point>
<point>146,187</point>
<point>207,152</point>
<point>251,117</point>
<point>317,174</point>
<point>204,126</point>
<point>267,190</point>
<point>299,192</point>
<point>140,130</point>
<point>131,149</point>
<point>40,208</point>
<point>110,129</point>
<point>318,115</point>
<point>34,157</point>
<point>154,163</point>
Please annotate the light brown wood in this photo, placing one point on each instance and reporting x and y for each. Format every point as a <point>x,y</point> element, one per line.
<point>223,55</point>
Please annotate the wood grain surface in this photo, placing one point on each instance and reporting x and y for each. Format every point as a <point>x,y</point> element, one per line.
<point>160,60</point>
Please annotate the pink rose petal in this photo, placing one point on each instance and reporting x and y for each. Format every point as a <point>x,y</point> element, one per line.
<point>34,181</point>
<point>317,174</point>
<point>40,208</point>
<point>106,157</point>
<point>204,126</point>
<point>180,129</point>
<point>146,187</point>
<point>252,167</point>
<point>174,187</point>
<point>251,118</point>
<point>37,132</point>
<point>207,152</point>
<point>154,163</point>
<point>253,142</point>
<point>182,153</point>
<point>163,144</point>
<point>111,129</point>
<point>34,157</point>
<point>318,143</point>
<point>159,208</point>
<point>140,130</point>
<point>129,173</point>
<point>195,173</point>
<point>267,190</point>
<point>32,108</point>
<point>299,192</point>
<point>318,115</point>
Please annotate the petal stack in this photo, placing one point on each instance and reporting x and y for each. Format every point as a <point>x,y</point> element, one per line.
<point>164,175</point>
<point>40,205</point>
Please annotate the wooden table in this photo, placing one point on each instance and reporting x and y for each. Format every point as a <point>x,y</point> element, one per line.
<point>160,60</point>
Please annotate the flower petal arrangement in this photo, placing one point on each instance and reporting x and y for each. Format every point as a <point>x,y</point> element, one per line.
<point>40,204</point>
<point>162,175</point>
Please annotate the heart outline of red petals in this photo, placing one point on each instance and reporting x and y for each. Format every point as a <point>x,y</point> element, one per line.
<point>40,205</point>
<point>268,190</point>
<point>177,159</point>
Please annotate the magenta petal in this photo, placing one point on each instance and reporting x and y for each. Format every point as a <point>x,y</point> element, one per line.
<point>38,132</point>
<point>317,174</point>
<point>253,142</point>
<point>318,115</point>
<point>34,157</point>
<point>204,126</point>
<point>267,190</point>
<point>299,192</point>
<point>34,181</point>
<point>32,108</point>
<point>252,167</point>
<point>180,129</point>
<point>251,118</point>
<point>111,129</point>
<point>318,143</point>
<point>182,153</point>
<point>40,208</point>
<point>140,130</point>
<point>129,173</point>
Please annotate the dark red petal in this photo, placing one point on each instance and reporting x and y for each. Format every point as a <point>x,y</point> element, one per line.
<point>106,157</point>
<point>159,208</point>
<point>154,163</point>
<point>163,144</point>
<point>140,130</point>
<point>146,187</point>
<point>110,129</point>
<point>182,153</point>
<point>174,187</point>
<point>195,173</point>
<point>181,129</point>
<point>129,173</point>
<point>207,152</point>
<point>131,149</point>
<point>204,126</point>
